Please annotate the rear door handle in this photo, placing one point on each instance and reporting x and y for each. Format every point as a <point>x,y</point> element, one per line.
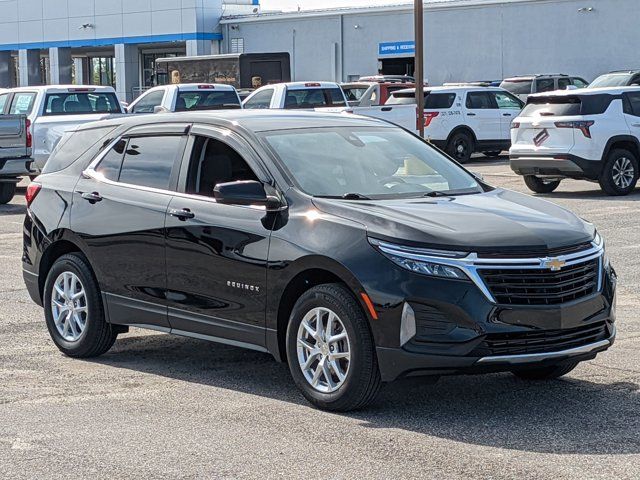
<point>471,114</point>
<point>387,109</point>
<point>506,114</point>
<point>92,197</point>
<point>183,214</point>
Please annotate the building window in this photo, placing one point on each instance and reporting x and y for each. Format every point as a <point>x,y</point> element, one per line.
<point>151,77</point>
<point>103,71</point>
<point>237,45</point>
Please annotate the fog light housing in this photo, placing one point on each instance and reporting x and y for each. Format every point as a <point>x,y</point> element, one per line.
<point>407,324</point>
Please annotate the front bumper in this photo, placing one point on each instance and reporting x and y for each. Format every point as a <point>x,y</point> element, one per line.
<point>560,166</point>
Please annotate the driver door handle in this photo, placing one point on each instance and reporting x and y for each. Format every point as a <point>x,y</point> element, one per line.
<point>92,197</point>
<point>506,114</point>
<point>182,214</point>
<point>635,124</point>
<point>471,114</point>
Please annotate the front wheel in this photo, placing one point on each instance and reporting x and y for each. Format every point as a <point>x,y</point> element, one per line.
<point>540,185</point>
<point>545,373</point>
<point>7,192</point>
<point>620,173</point>
<point>330,350</point>
<point>460,147</point>
<point>74,311</point>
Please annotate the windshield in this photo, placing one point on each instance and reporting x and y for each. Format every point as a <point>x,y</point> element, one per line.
<point>517,87</point>
<point>354,94</point>
<point>207,100</point>
<point>611,80</point>
<point>366,162</point>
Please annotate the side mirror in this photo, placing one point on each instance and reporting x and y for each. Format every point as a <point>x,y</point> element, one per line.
<point>159,109</point>
<point>247,193</point>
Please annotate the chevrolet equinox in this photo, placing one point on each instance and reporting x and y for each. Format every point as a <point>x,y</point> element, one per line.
<point>343,245</point>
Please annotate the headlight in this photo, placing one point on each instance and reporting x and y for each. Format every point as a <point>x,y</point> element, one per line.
<point>429,268</point>
<point>598,241</point>
<point>426,262</point>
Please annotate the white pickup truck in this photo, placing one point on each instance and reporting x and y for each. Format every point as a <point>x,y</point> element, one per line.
<point>52,110</point>
<point>459,120</point>
<point>297,95</point>
<point>186,97</point>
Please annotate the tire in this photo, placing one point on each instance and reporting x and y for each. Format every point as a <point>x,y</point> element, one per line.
<point>538,185</point>
<point>494,153</point>
<point>7,192</point>
<point>94,335</point>
<point>460,147</point>
<point>545,373</point>
<point>620,173</point>
<point>361,377</point>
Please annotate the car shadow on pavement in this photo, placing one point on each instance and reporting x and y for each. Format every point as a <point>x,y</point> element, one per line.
<point>12,209</point>
<point>567,416</point>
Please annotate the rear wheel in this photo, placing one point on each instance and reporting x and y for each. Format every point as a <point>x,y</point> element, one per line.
<point>7,192</point>
<point>540,185</point>
<point>494,153</point>
<point>620,173</point>
<point>74,311</point>
<point>460,147</point>
<point>330,350</point>
<point>545,373</point>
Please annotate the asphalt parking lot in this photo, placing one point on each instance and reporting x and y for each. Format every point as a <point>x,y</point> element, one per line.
<point>161,406</point>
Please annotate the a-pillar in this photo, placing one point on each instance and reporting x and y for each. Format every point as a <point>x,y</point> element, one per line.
<point>6,69</point>
<point>127,70</point>
<point>61,65</point>
<point>29,68</point>
<point>198,47</point>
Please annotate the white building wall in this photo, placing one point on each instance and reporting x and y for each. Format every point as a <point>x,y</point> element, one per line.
<point>463,41</point>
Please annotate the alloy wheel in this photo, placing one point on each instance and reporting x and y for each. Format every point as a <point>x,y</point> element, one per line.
<point>324,350</point>
<point>69,306</point>
<point>623,172</point>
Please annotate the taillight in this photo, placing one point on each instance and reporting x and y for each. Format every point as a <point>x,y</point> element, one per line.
<point>32,192</point>
<point>206,87</point>
<point>515,125</point>
<point>29,136</point>
<point>312,84</point>
<point>582,125</point>
<point>429,116</point>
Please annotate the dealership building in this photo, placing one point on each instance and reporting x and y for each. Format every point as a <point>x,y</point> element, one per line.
<point>116,42</point>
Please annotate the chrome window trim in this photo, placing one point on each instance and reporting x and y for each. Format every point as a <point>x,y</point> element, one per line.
<point>471,263</point>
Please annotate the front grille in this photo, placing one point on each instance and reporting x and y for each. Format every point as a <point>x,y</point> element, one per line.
<point>533,253</point>
<point>542,287</point>
<point>540,341</point>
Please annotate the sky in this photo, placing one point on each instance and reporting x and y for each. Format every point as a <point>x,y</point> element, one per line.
<point>315,4</point>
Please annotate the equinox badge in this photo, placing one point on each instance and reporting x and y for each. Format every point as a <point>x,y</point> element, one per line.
<point>554,264</point>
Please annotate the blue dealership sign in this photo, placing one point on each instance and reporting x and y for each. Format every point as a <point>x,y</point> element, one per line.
<point>397,48</point>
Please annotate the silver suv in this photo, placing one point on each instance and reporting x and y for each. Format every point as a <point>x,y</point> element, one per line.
<point>524,85</point>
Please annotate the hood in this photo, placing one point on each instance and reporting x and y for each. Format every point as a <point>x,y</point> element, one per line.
<point>497,220</point>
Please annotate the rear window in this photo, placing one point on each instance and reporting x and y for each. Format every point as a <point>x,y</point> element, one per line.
<point>207,100</point>
<point>557,106</point>
<point>517,87</point>
<point>74,103</point>
<point>431,100</point>
<point>74,145</point>
<point>22,103</point>
<point>314,98</point>
<point>354,94</point>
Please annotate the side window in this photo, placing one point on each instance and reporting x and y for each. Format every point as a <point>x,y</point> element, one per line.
<point>149,102</point>
<point>563,83</point>
<point>507,101</point>
<point>73,145</point>
<point>148,161</point>
<point>479,101</point>
<point>109,166</point>
<point>3,102</point>
<point>579,82</point>
<point>261,100</point>
<point>634,102</point>
<point>439,100</point>
<point>545,85</point>
<point>22,103</point>
<point>213,162</point>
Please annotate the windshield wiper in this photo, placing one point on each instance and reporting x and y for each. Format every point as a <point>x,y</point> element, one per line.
<point>355,196</point>
<point>437,193</point>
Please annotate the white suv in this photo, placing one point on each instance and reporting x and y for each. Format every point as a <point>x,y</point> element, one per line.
<point>591,134</point>
<point>458,120</point>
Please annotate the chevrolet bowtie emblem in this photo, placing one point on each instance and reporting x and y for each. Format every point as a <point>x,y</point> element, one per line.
<point>554,264</point>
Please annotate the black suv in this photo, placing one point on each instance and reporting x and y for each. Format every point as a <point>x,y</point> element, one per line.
<point>346,246</point>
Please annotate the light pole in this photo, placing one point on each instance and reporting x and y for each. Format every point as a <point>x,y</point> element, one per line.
<point>419,73</point>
